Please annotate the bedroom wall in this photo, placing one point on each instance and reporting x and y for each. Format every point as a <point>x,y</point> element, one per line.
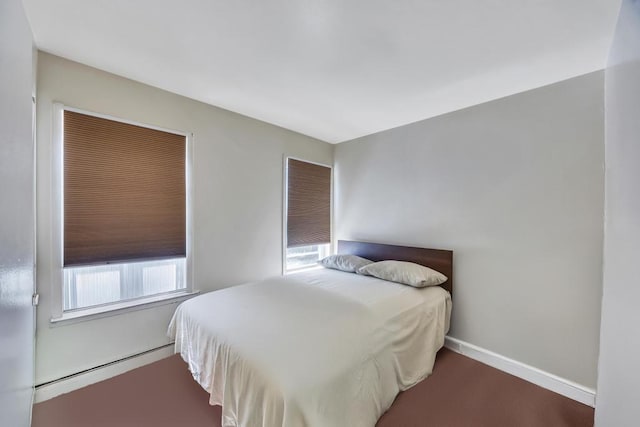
<point>237,204</point>
<point>618,377</point>
<point>515,188</point>
<point>17,211</point>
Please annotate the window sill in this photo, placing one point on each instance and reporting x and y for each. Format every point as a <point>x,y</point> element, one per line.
<point>118,308</point>
<point>303,269</point>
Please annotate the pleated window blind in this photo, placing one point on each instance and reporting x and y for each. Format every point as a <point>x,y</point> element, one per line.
<point>124,192</point>
<point>308,204</point>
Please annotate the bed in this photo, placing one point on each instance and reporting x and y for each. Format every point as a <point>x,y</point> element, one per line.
<point>315,348</point>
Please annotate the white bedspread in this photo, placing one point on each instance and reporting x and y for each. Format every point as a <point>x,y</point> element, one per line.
<point>319,348</point>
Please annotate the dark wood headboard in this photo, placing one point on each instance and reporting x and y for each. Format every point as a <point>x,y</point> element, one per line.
<point>437,259</point>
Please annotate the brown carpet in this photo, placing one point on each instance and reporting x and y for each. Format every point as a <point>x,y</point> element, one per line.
<point>460,393</point>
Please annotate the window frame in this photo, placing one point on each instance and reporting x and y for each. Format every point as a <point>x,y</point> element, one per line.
<point>58,313</point>
<point>285,198</point>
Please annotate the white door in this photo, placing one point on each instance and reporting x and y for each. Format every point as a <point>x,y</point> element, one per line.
<point>17,228</point>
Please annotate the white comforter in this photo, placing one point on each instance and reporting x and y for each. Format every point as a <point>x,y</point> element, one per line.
<point>319,348</point>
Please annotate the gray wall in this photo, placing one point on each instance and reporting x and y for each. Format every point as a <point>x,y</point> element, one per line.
<point>237,205</point>
<point>515,188</point>
<point>16,215</point>
<point>618,375</point>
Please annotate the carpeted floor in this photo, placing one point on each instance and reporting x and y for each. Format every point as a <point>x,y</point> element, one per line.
<point>460,393</point>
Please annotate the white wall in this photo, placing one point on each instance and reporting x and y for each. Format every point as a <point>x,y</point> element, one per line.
<point>237,204</point>
<point>515,188</point>
<point>618,374</point>
<point>17,212</point>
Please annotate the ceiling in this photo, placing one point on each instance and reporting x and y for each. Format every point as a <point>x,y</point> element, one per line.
<point>332,69</point>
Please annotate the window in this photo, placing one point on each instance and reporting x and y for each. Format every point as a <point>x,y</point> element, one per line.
<point>123,190</point>
<point>105,284</point>
<point>307,234</point>
<point>305,256</point>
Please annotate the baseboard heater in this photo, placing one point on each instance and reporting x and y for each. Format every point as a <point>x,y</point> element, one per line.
<point>71,382</point>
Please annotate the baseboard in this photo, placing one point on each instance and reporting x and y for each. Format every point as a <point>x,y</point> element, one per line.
<point>536,376</point>
<point>73,382</point>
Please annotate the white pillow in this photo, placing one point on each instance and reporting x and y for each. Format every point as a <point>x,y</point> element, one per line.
<point>404,272</point>
<point>349,263</point>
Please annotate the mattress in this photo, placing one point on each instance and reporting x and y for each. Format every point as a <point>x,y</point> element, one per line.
<point>317,348</point>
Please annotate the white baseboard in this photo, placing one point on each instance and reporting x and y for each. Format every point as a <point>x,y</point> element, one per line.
<point>536,376</point>
<point>83,379</point>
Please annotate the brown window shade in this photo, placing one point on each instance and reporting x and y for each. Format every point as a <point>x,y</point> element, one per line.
<point>308,204</point>
<point>124,191</point>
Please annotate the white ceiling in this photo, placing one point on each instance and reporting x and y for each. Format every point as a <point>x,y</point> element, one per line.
<point>332,69</point>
